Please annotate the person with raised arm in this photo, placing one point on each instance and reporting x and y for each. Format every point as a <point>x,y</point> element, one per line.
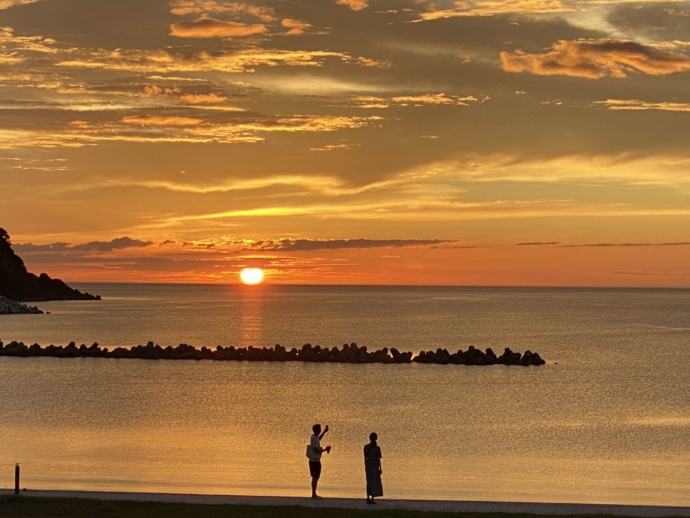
<point>314,451</point>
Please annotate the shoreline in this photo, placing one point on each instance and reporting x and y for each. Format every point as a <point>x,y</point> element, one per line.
<point>536,508</point>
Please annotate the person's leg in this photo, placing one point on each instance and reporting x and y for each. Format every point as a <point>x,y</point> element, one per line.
<point>315,470</point>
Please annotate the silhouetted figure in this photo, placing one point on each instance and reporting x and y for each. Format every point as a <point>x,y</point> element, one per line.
<point>314,451</point>
<point>372,468</point>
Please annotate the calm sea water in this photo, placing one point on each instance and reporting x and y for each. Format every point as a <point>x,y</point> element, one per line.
<point>606,420</point>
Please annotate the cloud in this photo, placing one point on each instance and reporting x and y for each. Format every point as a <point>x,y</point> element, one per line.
<point>224,246</point>
<point>7,4</point>
<point>633,104</point>
<point>603,245</point>
<point>176,92</point>
<point>12,43</point>
<point>374,63</point>
<point>609,245</point>
<point>417,100</point>
<point>157,90</point>
<point>651,21</point>
<point>307,245</point>
<point>295,27</point>
<point>185,7</point>
<point>492,8</point>
<point>223,126</point>
<point>323,185</point>
<point>210,98</point>
<point>166,61</point>
<point>206,27</point>
<point>92,246</point>
<point>593,59</point>
<point>161,121</point>
<point>355,5</point>
<point>330,147</point>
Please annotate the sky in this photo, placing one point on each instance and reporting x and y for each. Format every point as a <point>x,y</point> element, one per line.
<point>471,142</point>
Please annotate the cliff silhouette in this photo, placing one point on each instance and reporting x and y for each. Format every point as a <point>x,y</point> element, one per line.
<point>16,283</point>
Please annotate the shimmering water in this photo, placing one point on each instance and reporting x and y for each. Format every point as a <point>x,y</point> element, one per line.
<point>606,420</point>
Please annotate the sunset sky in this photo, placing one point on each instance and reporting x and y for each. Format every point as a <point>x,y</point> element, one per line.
<point>472,142</point>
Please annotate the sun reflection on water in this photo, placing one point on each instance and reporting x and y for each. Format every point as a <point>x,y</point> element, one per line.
<point>251,319</point>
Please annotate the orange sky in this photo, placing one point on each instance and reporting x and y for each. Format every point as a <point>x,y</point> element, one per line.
<point>348,141</point>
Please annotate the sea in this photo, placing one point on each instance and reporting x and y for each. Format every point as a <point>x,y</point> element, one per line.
<point>606,420</point>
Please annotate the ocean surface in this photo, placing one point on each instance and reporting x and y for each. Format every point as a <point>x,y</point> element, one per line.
<point>606,420</point>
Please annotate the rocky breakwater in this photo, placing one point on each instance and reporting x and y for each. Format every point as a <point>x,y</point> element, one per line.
<point>10,307</point>
<point>349,353</point>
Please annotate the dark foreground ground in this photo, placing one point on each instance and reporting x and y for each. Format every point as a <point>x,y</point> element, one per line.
<point>29,506</point>
<point>42,507</point>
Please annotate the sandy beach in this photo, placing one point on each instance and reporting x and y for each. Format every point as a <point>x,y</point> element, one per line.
<point>563,509</point>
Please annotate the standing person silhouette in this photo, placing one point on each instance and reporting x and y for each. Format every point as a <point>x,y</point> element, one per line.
<point>372,468</point>
<point>314,454</point>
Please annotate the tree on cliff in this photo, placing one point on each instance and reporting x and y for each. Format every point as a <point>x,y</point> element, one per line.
<point>16,283</point>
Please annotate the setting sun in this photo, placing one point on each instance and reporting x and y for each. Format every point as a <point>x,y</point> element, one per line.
<point>252,275</point>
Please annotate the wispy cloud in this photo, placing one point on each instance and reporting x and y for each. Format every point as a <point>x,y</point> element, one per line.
<point>295,27</point>
<point>207,27</point>
<point>161,121</point>
<point>330,147</point>
<point>355,5</point>
<point>594,59</point>
<point>236,8</point>
<point>92,246</point>
<point>604,245</point>
<point>635,104</point>
<point>417,100</point>
<point>610,245</point>
<point>235,126</point>
<point>306,245</point>
<point>210,98</point>
<point>6,4</point>
<point>26,44</point>
<point>163,61</point>
<point>322,184</point>
<point>494,7</point>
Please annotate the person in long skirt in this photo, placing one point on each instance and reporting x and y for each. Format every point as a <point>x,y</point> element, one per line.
<point>372,468</point>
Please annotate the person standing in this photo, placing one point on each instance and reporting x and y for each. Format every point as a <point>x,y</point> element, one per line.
<point>372,468</point>
<point>314,454</point>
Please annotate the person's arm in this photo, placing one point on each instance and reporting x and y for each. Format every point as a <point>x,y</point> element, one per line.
<point>323,433</point>
<point>319,449</point>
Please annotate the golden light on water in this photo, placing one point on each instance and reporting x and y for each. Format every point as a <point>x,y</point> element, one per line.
<point>252,275</point>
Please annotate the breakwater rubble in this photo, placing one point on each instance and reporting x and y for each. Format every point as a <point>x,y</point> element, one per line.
<point>10,307</point>
<point>349,353</point>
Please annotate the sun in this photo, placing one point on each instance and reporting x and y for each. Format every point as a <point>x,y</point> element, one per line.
<point>252,275</point>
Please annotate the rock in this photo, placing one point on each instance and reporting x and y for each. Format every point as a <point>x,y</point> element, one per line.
<point>509,357</point>
<point>10,307</point>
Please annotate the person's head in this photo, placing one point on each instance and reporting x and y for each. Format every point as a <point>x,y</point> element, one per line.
<point>316,429</point>
<point>373,436</point>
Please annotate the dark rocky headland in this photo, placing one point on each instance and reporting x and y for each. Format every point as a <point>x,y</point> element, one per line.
<point>349,353</point>
<point>17,284</point>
